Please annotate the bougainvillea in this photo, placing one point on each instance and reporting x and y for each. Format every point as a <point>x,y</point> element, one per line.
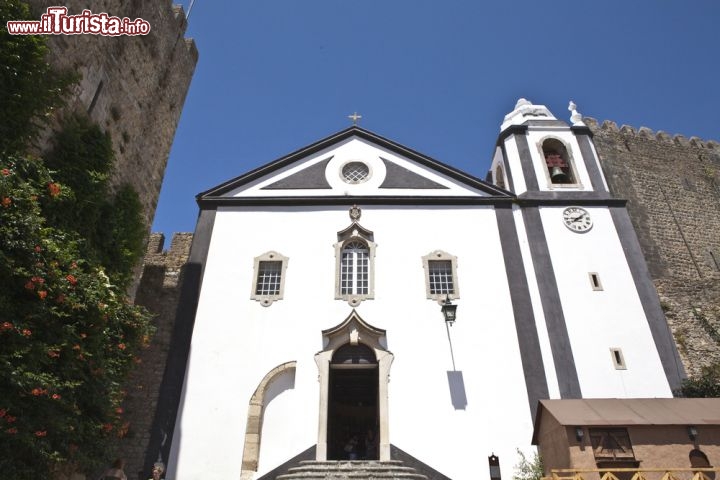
<point>68,336</point>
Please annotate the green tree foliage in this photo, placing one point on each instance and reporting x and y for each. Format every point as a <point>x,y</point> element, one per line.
<point>528,469</point>
<point>29,89</point>
<point>68,336</point>
<point>82,158</point>
<point>707,384</point>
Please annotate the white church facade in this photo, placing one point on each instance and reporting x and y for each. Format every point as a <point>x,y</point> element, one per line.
<point>314,325</point>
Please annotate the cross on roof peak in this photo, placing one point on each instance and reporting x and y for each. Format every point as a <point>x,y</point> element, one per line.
<point>355,117</point>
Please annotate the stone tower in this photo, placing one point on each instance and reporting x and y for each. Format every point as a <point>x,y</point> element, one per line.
<point>133,87</point>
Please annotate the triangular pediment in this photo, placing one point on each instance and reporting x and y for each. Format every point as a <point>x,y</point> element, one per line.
<point>353,163</point>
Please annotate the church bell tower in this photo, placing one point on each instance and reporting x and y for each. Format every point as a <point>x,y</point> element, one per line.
<point>536,153</point>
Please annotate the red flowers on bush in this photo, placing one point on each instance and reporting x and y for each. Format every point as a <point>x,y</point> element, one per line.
<point>71,278</point>
<point>54,189</point>
<point>41,433</point>
<point>5,172</point>
<point>6,202</point>
<point>42,294</point>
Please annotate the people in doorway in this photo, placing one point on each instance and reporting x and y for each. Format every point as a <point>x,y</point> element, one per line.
<point>351,448</point>
<point>370,445</point>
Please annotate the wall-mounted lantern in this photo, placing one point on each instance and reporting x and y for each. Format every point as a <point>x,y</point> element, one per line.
<point>692,432</point>
<point>449,311</point>
<point>579,434</point>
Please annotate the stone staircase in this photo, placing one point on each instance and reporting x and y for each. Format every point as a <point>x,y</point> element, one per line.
<point>352,470</point>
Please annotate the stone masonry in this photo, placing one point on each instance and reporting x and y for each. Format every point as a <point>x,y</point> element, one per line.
<point>672,185</point>
<point>159,292</point>
<point>133,87</point>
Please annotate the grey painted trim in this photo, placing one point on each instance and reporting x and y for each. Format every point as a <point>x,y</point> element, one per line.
<point>511,130</point>
<point>410,461</point>
<point>400,177</point>
<point>312,177</point>
<point>591,163</point>
<point>552,307</point>
<point>582,130</point>
<point>531,181</point>
<point>508,172</point>
<point>545,123</point>
<point>567,195</point>
<point>338,137</point>
<point>667,350</point>
<point>174,375</point>
<point>530,353</point>
<point>535,198</point>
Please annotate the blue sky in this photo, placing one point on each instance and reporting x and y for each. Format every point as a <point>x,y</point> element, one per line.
<point>435,75</point>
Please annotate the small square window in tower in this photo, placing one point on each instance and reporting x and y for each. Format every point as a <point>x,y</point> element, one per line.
<point>558,162</point>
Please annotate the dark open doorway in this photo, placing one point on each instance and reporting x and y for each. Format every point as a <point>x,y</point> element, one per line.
<point>353,404</point>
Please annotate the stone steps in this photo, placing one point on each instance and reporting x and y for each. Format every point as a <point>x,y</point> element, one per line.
<point>352,470</point>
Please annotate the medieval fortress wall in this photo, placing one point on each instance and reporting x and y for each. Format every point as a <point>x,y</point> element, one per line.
<point>159,292</point>
<point>672,185</point>
<point>133,87</point>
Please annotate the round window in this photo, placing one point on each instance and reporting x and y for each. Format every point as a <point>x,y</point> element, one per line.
<point>355,172</point>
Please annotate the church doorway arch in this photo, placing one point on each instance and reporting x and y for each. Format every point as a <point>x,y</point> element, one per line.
<point>353,404</point>
<point>354,367</point>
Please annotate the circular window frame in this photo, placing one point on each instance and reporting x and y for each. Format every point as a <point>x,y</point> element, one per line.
<point>357,182</point>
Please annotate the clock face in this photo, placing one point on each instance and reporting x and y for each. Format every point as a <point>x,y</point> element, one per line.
<point>577,219</point>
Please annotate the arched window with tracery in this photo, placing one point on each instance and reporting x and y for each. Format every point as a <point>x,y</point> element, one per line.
<point>355,269</point>
<point>355,253</point>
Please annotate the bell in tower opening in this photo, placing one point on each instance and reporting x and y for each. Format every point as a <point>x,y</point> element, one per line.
<point>556,160</point>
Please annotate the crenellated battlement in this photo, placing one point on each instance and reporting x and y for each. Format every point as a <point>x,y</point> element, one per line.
<point>648,134</point>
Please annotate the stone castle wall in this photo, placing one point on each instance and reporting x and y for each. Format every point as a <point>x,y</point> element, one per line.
<point>133,87</point>
<point>159,292</point>
<point>672,185</point>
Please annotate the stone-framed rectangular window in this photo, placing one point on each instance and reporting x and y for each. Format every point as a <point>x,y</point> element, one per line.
<point>440,275</point>
<point>269,278</point>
